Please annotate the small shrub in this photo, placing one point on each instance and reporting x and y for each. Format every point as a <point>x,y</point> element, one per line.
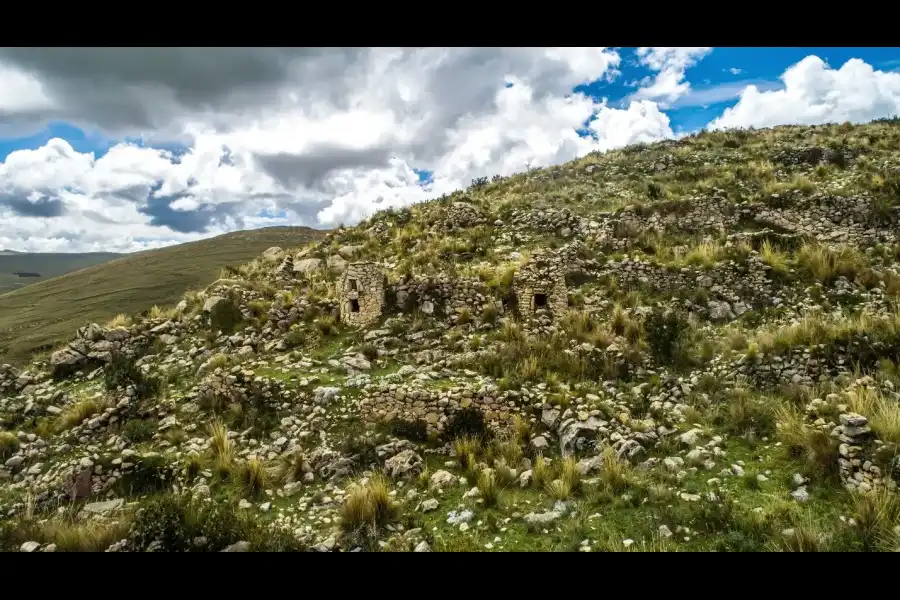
<point>774,258</point>
<point>665,333</point>
<point>225,316</point>
<point>326,325</point>
<point>467,422</point>
<point>173,523</point>
<point>489,314</point>
<point>138,430</point>
<point>220,444</point>
<point>368,350</point>
<point>874,515</point>
<point>416,431</point>
<point>122,371</point>
<point>9,444</point>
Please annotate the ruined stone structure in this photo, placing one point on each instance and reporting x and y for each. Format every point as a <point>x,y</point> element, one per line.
<point>541,285</point>
<point>362,294</point>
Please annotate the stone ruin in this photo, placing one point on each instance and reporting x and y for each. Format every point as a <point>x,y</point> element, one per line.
<point>362,294</point>
<point>541,285</point>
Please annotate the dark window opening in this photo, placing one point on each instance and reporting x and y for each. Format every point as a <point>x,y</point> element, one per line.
<point>540,301</point>
<point>353,287</point>
<point>354,306</point>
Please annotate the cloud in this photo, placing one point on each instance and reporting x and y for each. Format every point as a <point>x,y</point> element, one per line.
<point>735,71</point>
<point>316,137</point>
<point>724,92</point>
<point>670,66</point>
<point>815,93</point>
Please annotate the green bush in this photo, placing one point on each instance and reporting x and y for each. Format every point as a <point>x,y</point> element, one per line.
<point>225,316</point>
<point>173,523</point>
<point>123,371</point>
<point>468,422</point>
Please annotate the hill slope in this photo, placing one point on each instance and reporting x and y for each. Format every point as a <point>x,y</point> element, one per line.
<point>46,265</point>
<point>46,313</point>
<point>686,346</point>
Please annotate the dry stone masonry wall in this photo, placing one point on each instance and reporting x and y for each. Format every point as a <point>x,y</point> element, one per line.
<point>541,285</point>
<point>362,294</point>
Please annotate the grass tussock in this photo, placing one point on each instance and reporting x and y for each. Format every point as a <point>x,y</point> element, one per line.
<point>77,413</point>
<point>811,445</point>
<point>826,265</point>
<point>368,504</point>
<point>882,412</point>
<point>251,478</point>
<point>489,488</point>
<point>9,444</point>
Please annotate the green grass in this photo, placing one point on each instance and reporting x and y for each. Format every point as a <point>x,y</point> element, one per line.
<point>47,313</point>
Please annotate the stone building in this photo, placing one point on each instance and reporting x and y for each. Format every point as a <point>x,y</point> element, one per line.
<point>541,285</point>
<point>362,293</point>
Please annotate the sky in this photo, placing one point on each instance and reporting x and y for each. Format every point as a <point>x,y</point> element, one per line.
<point>125,149</point>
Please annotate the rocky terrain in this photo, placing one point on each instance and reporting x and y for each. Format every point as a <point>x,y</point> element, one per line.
<point>688,346</point>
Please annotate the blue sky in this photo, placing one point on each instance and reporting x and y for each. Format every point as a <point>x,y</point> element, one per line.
<point>716,81</point>
<point>334,135</point>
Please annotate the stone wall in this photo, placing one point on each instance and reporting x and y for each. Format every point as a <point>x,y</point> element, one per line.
<point>362,294</point>
<point>447,295</point>
<point>383,402</point>
<point>541,285</point>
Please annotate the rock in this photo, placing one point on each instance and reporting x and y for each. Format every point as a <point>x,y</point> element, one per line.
<point>539,444</point>
<point>238,547</point>
<point>272,254</point>
<point>428,307</point>
<point>441,479</point>
<point>404,464</point>
<point>457,518</point>
<point>550,417</point>
<point>325,395</point>
<point>29,546</point>
<point>212,302</point>
<point>577,435</point>
<point>307,265</point>
<point>15,462</point>
<point>336,263</point>
<point>719,311</point>
<point>691,437</point>
<point>428,505</point>
<point>102,508</point>
<point>422,547</point>
<point>545,518</point>
<point>665,532</point>
<point>800,494</point>
<point>358,362</point>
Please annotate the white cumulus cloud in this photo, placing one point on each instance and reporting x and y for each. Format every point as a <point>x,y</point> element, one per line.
<point>337,135</point>
<point>814,93</point>
<point>670,64</point>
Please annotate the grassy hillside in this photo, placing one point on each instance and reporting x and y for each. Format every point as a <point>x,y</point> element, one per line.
<point>47,265</point>
<point>686,346</point>
<point>46,313</point>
